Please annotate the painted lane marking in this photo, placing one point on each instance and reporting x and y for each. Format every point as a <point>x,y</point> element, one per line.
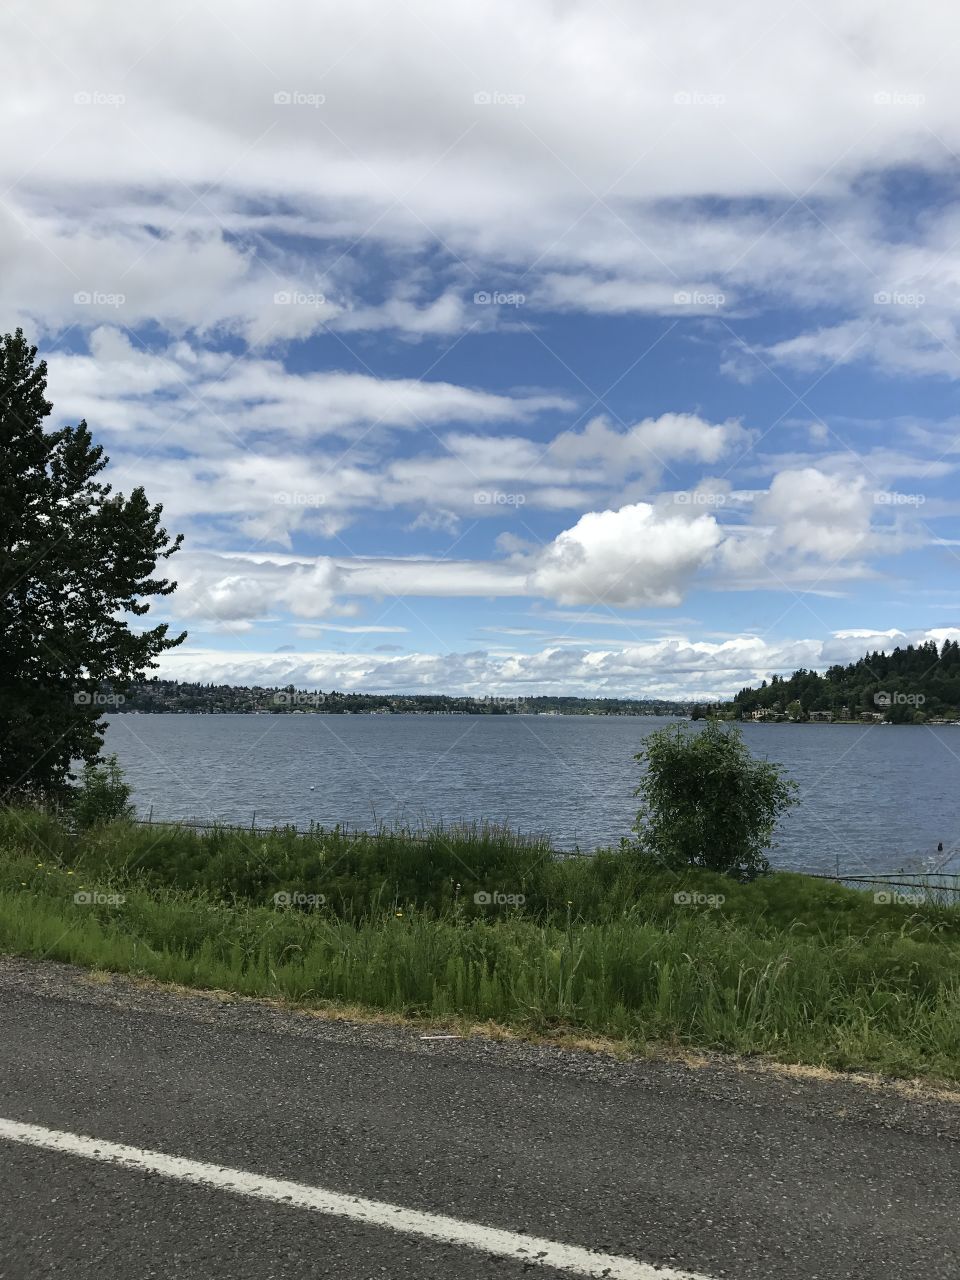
<point>374,1213</point>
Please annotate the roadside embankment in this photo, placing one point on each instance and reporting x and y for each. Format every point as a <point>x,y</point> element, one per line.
<point>480,926</point>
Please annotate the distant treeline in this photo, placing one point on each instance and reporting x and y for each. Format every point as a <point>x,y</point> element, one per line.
<point>217,699</point>
<point>915,684</point>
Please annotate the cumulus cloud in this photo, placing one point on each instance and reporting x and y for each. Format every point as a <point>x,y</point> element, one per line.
<point>816,514</point>
<point>217,589</point>
<point>635,555</point>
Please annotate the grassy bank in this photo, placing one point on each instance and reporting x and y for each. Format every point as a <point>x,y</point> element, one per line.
<point>800,969</point>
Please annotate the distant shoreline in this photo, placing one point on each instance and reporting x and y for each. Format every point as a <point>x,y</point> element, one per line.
<point>478,715</point>
<point>545,715</point>
<point>858,724</point>
<point>194,697</point>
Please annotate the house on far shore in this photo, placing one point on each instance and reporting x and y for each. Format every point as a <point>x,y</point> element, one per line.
<point>823,717</point>
<point>763,713</point>
<point>873,717</point>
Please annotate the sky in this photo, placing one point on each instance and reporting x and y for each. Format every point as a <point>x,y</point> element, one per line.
<point>568,347</point>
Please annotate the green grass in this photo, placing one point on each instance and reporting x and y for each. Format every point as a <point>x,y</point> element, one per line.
<point>438,871</point>
<point>799,969</point>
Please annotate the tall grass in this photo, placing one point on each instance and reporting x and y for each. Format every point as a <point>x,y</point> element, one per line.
<point>440,871</point>
<point>800,969</point>
<point>890,1004</point>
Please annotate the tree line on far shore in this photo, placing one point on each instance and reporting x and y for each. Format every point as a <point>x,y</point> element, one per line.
<point>911,685</point>
<point>158,695</point>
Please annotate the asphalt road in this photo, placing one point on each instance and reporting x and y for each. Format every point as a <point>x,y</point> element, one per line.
<point>724,1172</point>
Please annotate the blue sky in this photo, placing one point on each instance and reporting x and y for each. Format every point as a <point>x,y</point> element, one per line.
<point>592,349</point>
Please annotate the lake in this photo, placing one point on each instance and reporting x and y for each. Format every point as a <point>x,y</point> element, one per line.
<point>872,797</point>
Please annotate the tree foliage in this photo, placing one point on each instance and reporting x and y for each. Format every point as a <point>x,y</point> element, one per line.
<point>76,560</point>
<point>919,681</point>
<point>706,802</point>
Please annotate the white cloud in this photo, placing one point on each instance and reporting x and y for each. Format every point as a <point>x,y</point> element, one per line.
<point>635,164</point>
<point>648,447</point>
<point>249,193</point>
<point>441,521</point>
<point>312,628</point>
<point>219,398</point>
<point>815,514</point>
<point>636,555</point>
<point>213,588</point>
<point>667,668</point>
<point>246,446</point>
<point>810,529</point>
<point>615,296</point>
<point>913,343</point>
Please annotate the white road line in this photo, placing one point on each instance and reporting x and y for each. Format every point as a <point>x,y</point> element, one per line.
<point>374,1213</point>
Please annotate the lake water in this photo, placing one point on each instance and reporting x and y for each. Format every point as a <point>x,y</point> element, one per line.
<point>872,797</point>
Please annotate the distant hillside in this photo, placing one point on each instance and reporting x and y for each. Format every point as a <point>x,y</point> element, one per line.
<point>177,696</point>
<point>912,685</point>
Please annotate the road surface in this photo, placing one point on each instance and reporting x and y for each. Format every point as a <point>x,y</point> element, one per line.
<point>146,1134</point>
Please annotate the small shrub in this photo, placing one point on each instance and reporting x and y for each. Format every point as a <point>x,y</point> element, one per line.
<point>708,803</point>
<point>102,795</point>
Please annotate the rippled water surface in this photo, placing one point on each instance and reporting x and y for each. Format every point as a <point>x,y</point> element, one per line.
<point>877,797</point>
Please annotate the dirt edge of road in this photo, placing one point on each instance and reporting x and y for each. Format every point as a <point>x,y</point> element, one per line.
<point>930,1106</point>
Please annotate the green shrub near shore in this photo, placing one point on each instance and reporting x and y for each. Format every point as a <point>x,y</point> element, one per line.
<point>799,969</point>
